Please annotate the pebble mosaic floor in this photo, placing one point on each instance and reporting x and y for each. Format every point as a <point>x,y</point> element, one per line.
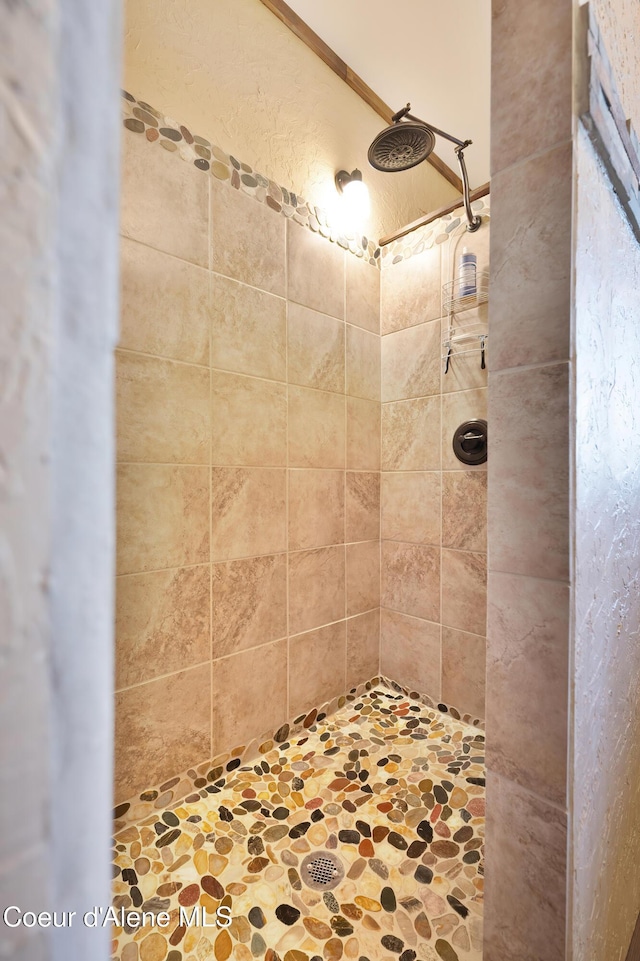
<point>392,787</point>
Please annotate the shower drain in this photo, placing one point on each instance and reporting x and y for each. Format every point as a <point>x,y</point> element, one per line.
<point>322,870</point>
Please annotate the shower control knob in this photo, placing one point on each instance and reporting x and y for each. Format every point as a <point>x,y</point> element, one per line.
<point>470,442</point>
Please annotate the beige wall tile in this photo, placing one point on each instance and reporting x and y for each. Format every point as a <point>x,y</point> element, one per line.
<point>531,83</point>
<point>530,321</point>
<point>409,434</point>
<point>464,510</point>
<point>316,508</point>
<point>528,512</point>
<point>410,652</point>
<point>363,577</point>
<point>315,349</point>
<point>363,647</point>
<point>362,294</point>
<point>163,203</point>
<point>316,588</point>
<point>362,506</point>
<point>248,330</point>
<point>411,579</point>
<point>316,667</point>
<point>248,512</point>
<point>363,364</point>
<point>162,623</point>
<point>528,683</point>
<point>162,410</point>
<point>248,421</point>
<point>411,362</point>
<point>463,671</point>
<point>410,291</point>
<point>411,507</point>
<point>248,240</point>
<point>456,409</point>
<point>525,869</point>
<point>363,434</point>
<point>164,305</point>
<point>162,727</point>
<point>249,695</point>
<point>162,516</point>
<point>315,271</point>
<point>249,603</point>
<point>316,428</point>
<point>464,591</point>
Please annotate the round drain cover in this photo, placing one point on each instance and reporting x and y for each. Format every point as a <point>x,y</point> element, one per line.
<point>321,870</point>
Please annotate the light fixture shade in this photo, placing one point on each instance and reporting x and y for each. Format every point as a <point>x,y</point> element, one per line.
<point>355,206</point>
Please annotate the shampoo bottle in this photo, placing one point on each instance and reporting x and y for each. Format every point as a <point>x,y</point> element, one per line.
<point>467,266</point>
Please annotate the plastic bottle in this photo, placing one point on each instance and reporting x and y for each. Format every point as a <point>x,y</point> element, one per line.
<point>467,266</point>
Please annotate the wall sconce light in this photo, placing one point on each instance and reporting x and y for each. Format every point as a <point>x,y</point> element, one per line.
<point>355,195</point>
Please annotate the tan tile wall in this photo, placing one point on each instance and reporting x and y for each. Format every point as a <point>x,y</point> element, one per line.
<point>529,481</point>
<point>248,410</point>
<point>433,617</point>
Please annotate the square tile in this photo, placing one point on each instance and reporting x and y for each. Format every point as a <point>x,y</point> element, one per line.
<point>315,349</point>
<point>410,652</point>
<point>248,512</point>
<point>317,667</point>
<point>528,503</point>
<point>410,291</point>
<point>316,428</point>
<point>411,507</point>
<point>152,743</point>
<point>249,603</point>
<point>162,517</point>
<point>162,410</point>
<point>363,434</point>
<point>249,421</point>
<point>315,271</point>
<point>464,591</point>
<point>531,321</point>
<point>363,577</point>
<point>464,510</point>
<point>248,239</point>
<point>463,671</point>
<point>164,202</point>
<point>363,364</point>
<point>362,294</point>
<point>411,579</point>
<point>316,588</point>
<point>164,304</point>
<point>163,623</point>
<point>411,362</point>
<point>248,330</point>
<point>362,506</point>
<point>409,434</point>
<point>249,695</point>
<point>528,682</point>
<point>316,508</point>
<point>363,647</point>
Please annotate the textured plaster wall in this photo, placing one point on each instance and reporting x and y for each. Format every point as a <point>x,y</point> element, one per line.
<point>619,24</point>
<point>58,70</point>
<point>606,765</point>
<point>232,72</point>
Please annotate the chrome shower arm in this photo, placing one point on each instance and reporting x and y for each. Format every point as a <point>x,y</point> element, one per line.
<point>474,220</point>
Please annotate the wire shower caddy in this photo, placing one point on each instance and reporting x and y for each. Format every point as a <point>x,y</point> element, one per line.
<point>465,332</point>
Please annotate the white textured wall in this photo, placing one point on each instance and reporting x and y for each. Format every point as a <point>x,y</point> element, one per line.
<point>58,184</point>
<point>606,763</point>
<point>232,72</point>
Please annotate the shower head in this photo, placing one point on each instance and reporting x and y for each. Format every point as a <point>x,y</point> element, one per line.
<point>407,142</point>
<point>401,146</point>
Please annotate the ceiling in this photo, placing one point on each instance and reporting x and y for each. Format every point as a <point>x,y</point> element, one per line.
<point>434,53</point>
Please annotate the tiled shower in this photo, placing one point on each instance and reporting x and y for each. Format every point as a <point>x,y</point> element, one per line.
<point>293,525</point>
